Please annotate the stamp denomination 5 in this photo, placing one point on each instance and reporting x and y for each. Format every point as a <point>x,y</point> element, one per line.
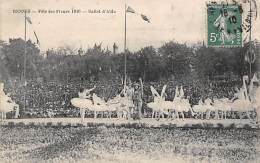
<point>224,25</point>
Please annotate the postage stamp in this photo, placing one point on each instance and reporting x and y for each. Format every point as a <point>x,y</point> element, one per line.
<point>224,25</point>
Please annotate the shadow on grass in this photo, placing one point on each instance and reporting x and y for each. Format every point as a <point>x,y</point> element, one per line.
<point>64,148</point>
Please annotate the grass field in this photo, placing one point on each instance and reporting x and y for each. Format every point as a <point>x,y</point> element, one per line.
<point>131,145</point>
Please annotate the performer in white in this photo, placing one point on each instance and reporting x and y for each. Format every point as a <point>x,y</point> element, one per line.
<point>85,94</point>
<point>84,101</point>
<point>243,103</point>
<point>160,107</point>
<point>257,104</point>
<point>254,94</point>
<point>6,104</point>
<point>157,105</point>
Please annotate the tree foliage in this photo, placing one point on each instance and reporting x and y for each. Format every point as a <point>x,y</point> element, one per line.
<point>13,54</point>
<point>170,60</point>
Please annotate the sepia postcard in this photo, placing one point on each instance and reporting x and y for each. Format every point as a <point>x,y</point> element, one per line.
<point>129,81</point>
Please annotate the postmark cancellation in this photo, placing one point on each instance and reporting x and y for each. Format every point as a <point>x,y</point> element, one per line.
<point>224,25</point>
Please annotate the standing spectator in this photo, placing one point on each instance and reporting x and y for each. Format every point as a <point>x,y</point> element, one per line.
<point>137,100</point>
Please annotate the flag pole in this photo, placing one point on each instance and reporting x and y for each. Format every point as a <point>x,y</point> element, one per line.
<point>125,50</point>
<point>25,51</point>
<point>250,47</point>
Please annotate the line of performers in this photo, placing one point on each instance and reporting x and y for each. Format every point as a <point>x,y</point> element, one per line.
<point>129,102</point>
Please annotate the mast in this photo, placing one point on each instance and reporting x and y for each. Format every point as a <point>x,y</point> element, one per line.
<point>125,50</point>
<point>24,66</point>
<point>250,46</point>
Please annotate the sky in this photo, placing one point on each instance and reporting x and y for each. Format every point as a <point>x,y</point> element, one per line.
<point>182,21</point>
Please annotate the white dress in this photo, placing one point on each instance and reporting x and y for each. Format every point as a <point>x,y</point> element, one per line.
<point>6,104</point>
<point>82,101</point>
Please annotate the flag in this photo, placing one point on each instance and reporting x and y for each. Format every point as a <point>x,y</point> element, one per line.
<point>247,57</point>
<point>145,18</point>
<point>37,40</point>
<point>129,9</point>
<point>253,58</point>
<point>28,19</point>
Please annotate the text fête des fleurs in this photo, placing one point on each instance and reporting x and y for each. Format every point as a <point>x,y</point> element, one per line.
<point>65,11</point>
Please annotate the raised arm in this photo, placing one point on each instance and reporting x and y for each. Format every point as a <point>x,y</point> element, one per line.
<point>163,91</point>
<point>154,92</point>
<point>142,87</point>
<point>89,90</point>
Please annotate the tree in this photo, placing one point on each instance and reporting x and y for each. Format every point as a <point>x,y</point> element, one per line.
<point>3,71</point>
<point>177,58</point>
<point>210,62</point>
<point>151,66</point>
<point>13,54</point>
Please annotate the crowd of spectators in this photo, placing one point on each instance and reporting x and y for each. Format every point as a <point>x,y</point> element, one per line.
<point>44,98</point>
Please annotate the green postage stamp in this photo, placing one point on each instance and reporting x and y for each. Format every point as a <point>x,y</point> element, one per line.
<point>224,25</point>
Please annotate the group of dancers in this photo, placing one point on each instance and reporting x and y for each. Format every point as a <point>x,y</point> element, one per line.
<point>245,100</point>
<point>129,102</point>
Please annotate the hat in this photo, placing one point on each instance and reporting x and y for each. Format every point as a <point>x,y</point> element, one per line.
<point>136,84</point>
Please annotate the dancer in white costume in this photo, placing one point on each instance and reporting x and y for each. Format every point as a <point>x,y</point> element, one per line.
<point>157,105</point>
<point>176,103</point>
<point>199,109</point>
<point>186,106</point>
<point>180,104</point>
<point>203,107</point>
<point>223,104</point>
<point>253,86</point>
<point>6,104</point>
<point>243,104</point>
<point>254,94</point>
<point>100,106</point>
<point>257,103</point>
<point>84,101</point>
<point>208,107</point>
<point>181,93</point>
<point>120,105</point>
<point>243,101</point>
